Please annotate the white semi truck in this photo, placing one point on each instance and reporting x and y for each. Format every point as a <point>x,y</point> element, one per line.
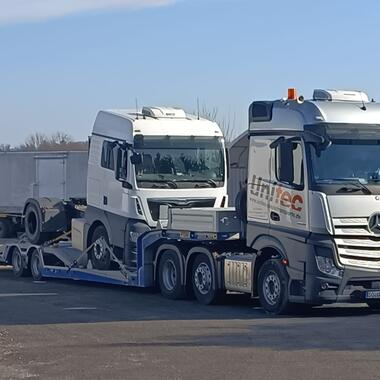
<point>306,229</point>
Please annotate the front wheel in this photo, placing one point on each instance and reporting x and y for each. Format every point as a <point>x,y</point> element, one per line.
<point>273,288</point>
<point>204,281</point>
<point>100,254</point>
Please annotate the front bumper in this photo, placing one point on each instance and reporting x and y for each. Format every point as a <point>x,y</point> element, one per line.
<point>351,288</point>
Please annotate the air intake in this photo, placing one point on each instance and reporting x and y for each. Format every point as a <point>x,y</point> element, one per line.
<point>164,112</point>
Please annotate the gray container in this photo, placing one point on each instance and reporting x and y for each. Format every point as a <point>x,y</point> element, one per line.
<point>208,219</point>
<point>26,175</point>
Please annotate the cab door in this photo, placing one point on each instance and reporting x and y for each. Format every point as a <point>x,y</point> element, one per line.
<point>288,200</point>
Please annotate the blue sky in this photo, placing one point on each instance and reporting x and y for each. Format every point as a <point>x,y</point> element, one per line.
<point>59,66</point>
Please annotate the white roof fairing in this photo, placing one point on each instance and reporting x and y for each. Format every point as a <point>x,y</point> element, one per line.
<point>124,124</point>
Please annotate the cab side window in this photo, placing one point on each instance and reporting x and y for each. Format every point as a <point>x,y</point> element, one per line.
<point>108,159</point>
<point>289,164</point>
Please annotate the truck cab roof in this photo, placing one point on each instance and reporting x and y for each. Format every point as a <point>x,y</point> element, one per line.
<point>124,124</point>
<point>326,106</point>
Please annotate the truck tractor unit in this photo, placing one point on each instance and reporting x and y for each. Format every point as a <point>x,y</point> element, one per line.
<point>312,201</point>
<point>305,229</point>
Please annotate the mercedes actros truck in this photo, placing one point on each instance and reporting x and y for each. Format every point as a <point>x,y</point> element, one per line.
<point>305,228</point>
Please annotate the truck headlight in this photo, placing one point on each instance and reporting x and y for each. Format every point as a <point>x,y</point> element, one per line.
<point>327,266</point>
<point>133,236</point>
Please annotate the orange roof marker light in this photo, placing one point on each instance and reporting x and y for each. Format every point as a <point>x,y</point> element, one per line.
<point>292,94</point>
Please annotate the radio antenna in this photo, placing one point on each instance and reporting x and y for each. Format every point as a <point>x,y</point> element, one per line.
<point>137,109</point>
<point>363,107</point>
<point>198,109</point>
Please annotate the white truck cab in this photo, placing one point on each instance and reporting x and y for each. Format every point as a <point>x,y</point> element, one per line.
<point>144,162</point>
<point>313,196</point>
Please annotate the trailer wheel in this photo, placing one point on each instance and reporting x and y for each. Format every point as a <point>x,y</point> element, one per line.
<point>169,276</point>
<point>203,280</point>
<point>5,229</point>
<point>100,255</point>
<point>273,288</point>
<point>32,224</point>
<point>18,266</point>
<point>36,266</point>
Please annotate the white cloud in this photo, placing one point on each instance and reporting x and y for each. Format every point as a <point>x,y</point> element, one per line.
<point>14,11</point>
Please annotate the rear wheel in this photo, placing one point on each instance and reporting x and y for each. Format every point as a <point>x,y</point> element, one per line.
<point>273,288</point>
<point>203,281</point>
<point>32,224</point>
<point>100,254</point>
<point>36,266</point>
<point>170,277</point>
<point>18,265</point>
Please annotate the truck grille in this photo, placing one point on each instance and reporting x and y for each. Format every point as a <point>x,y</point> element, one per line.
<point>356,245</point>
<point>155,204</point>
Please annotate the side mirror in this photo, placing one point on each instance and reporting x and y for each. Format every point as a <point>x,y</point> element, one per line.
<point>118,157</point>
<point>137,159</point>
<point>277,142</point>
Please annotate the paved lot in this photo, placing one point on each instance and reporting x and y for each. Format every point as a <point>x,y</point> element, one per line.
<point>66,330</point>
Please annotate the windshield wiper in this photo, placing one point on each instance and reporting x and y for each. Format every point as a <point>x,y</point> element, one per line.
<point>354,185</point>
<point>209,181</point>
<point>164,181</point>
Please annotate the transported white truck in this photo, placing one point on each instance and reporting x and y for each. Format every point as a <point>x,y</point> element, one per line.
<point>306,229</point>
<point>24,175</point>
<point>139,163</point>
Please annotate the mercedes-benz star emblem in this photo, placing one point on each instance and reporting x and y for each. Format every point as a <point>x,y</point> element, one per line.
<point>374,224</point>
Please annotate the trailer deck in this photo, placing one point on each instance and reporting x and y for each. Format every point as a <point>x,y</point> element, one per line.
<point>63,261</point>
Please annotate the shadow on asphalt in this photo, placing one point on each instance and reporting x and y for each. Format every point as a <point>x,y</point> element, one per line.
<point>56,301</point>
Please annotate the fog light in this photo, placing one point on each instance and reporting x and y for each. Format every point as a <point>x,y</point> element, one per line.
<point>327,266</point>
<point>324,286</point>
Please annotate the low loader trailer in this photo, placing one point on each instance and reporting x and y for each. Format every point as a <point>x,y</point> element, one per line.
<point>180,261</point>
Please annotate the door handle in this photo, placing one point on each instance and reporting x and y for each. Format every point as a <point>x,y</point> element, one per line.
<point>274,216</point>
<point>105,200</point>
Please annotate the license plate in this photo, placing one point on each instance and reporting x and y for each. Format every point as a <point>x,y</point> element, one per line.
<point>372,294</point>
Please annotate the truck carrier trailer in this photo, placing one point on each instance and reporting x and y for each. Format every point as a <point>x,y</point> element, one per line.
<point>305,229</point>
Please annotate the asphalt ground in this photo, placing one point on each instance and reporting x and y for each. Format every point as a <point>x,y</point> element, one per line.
<point>68,330</point>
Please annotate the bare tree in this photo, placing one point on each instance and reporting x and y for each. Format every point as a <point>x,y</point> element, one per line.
<point>226,124</point>
<point>55,142</point>
<point>5,148</point>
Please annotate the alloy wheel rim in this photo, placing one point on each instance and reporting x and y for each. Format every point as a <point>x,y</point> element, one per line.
<point>272,288</point>
<point>203,278</point>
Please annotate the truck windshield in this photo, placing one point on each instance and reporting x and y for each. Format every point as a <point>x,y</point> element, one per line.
<point>180,162</point>
<point>352,165</point>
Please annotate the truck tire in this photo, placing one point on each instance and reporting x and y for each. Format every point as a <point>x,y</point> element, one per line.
<point>18,266</point>
<point>36,266</point>
<point>5,229</point>
<point>169,276</point>
<point>273,288</point>
<point>100,257</point>
<point>32,225</point>
<point>202,278</point>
